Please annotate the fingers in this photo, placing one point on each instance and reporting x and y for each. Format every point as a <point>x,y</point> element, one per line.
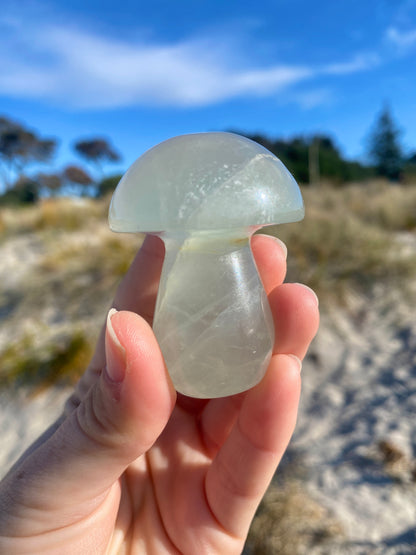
<point>294,306</point>
<point>117,421</point>
<point>296,318</point>
<point>244,466</point>
<point>128,408</point>
<point>255,435</point>
<point>270,256</point>
<point>137,292</point>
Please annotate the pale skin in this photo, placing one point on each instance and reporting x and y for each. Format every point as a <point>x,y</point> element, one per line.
<point>132,467</point>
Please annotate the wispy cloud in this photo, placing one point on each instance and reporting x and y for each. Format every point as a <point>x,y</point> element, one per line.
<point>403,40</point>
<point>81,68</point>
<point>313,98</point>
<point>360,62</point>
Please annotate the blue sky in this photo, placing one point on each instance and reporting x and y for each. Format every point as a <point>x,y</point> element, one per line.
<point>140,72</point>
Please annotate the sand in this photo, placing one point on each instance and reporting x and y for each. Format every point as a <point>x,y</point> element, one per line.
<point>356,433</point>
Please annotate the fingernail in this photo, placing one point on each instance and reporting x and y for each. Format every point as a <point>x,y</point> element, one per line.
<point>114,352</point>
<point>282,245</point>
<point>298,361</point>
<point>311,291</point>
<point>278,241</point>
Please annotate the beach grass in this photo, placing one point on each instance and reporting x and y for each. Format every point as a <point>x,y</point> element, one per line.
<point>353,238</point>
<point>350,240</point>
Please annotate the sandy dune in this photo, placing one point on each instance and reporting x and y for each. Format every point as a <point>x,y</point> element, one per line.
<point>356,434</point>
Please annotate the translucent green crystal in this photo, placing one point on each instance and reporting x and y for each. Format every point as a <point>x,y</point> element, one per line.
<point>205,194</point>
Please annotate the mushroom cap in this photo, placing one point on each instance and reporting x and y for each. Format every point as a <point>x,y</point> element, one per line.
<point>205,181</point>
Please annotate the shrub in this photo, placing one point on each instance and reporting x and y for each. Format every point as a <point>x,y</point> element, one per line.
<point>24,192</point>
<point>107,185</point>
<point>62,360</point>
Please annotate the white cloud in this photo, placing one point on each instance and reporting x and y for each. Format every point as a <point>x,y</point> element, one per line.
<point>79,68</point>
<point>313,98</point>
<point>361,62</point>
<point>86,69</point>
<point>404,40</point>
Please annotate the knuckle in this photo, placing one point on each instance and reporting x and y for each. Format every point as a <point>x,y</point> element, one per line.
<point>99,422</point>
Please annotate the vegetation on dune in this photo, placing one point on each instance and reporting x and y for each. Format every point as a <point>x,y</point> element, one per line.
<point>61,360</point>
<point>350,240</point>
<point>65,293</point>
<point>290,521</point>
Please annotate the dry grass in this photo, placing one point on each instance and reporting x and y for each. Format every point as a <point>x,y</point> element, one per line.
<point>290,522</point>
<point>101,253</point>
<point>386,206</point>
<point>62,214</point>
<point>349,239</point>
<point>77,265</point>
<point>60,360</point>
<point>65,214</point>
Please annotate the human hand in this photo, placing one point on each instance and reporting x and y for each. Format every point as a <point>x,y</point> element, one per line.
<point>132,467</point>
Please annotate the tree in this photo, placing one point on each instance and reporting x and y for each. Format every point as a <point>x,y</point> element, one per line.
<point>412,158</point>
<point>108,184</point>
<point>24,191</point>
<point>313,158</point>
<point>97,151</point>
<point>19,147</point>
<point>49,182</point>
<point>384,146</point>
<point>77,177</point>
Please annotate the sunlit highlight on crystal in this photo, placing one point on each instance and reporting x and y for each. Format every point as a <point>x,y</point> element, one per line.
<point>205,194</point>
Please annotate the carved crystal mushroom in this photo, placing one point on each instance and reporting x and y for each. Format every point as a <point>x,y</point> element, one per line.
<point>205,194</point>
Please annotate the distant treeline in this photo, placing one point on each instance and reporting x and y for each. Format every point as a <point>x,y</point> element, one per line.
<point>311,160</point>
<point>22,149</point>
<point>317,158</point>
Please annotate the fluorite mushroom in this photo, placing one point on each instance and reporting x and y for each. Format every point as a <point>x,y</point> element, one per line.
<point>205,194</point>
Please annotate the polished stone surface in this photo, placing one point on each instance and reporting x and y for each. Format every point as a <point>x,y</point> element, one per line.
<point>205,181</point>
<point>205,194</point>
<point>212,320</point>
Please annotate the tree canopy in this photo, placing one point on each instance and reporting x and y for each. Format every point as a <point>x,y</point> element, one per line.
<point>20,146</point>
<point>97,151</point>
<point>314,157</point>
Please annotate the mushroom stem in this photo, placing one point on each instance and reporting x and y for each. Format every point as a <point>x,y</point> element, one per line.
<point>212,319</point>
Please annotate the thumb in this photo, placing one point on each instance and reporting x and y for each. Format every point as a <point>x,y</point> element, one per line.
<point>117,421</point>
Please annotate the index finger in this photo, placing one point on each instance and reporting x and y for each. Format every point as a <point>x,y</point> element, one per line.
<point>137,291</point>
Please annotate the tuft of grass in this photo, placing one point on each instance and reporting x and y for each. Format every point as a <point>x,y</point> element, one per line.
<point>103,255</point>
<point>61,361</point>
<point>68,214</point>
<point>288,521</point>
<point>54,214</point>
<point>381,204</point>
<point>352,238</point>
<point>345,241</point>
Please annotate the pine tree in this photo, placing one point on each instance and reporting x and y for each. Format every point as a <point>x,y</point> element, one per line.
<point>384,146</point>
